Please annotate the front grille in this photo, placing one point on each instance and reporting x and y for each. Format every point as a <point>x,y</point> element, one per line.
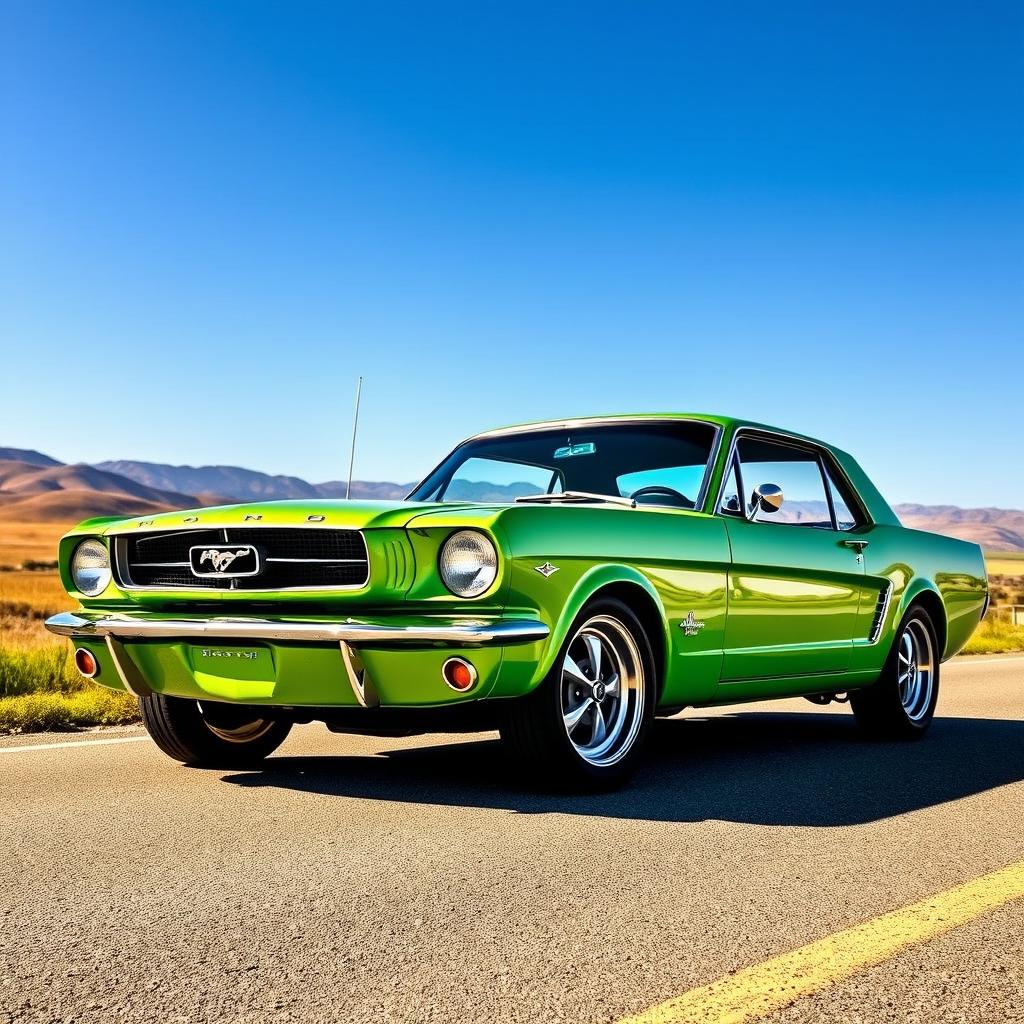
<point>290,559</point>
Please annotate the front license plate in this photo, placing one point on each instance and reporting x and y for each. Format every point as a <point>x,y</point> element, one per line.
<point>243,665</point>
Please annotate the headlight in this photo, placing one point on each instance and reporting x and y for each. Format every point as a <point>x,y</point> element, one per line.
<point>468,563</point>
<point>90,567</point>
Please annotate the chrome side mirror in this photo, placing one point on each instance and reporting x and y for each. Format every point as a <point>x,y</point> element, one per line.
<point>766,498</point>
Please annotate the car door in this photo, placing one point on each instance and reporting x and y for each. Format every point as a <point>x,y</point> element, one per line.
<point>797,580</point>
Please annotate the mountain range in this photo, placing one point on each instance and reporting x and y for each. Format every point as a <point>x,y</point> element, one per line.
<point>36,487</point>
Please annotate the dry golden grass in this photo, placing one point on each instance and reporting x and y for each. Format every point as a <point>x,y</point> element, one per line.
<point>49,669</point>
<point>41,591</point>
<point>996,635</point>
<point>20,542</point>
<point>1005,565</point>
<point>37,712</point>
<point>39,685</point>
<point>26,599</point>
<point>1006,591</point>
<point>21,634</point>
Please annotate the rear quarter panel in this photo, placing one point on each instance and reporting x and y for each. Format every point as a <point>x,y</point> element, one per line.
<point>918,562</point>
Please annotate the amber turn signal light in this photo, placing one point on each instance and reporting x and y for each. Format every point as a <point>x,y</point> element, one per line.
<point>86,663</point>
<point>459,674</point>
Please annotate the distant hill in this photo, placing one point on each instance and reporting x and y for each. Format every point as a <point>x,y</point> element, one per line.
<point>382,490</point>
<point>239,484</point>
<point>995,529</point>
<point>21,479</point>
<point>58,493</point>
<point>73,506</point>
<point>232,481</point>
<point>27,455</point>
<point>35,486</point>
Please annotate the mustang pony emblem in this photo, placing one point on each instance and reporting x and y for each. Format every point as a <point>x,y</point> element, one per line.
<point>220,560</point>
<point>224,561</point>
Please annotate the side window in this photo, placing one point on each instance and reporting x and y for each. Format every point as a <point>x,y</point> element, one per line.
<point>675,486</point>
<point>846,518</point>
<point>797,471</point>
<point>732,503</point>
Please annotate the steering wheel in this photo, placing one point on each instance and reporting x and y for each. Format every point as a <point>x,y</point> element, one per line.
<point>679,499</point>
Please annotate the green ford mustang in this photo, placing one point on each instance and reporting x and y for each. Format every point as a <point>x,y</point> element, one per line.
<point>563,582</point>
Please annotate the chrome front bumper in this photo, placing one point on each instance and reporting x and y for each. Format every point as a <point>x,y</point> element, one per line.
<point>114,629</point>
<point>460,632</point>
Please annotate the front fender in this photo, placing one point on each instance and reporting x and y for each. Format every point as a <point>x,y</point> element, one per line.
<point>676,561</point>
<point>587,586</point>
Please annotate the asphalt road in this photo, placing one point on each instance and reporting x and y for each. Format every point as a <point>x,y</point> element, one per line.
<point>380,880</point>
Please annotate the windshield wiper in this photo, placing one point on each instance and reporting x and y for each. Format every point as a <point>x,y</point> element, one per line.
<point>579,497</point>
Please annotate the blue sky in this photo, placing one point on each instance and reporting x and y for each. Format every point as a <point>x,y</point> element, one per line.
<point>214,216</point>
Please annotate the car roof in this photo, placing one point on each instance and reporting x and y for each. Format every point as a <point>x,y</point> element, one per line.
<point>576,422</point>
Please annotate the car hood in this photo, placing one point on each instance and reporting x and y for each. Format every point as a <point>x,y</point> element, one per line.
<point>353,515</point>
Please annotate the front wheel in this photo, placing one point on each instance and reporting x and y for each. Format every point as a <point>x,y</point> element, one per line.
<point>902,703</point>
<point>211,733</point>
<point>585,725</point>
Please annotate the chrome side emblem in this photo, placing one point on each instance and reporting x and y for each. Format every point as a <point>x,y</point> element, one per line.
<point>691,626</point>
<point>315,519</point>
<point>546,570</point>
<point>191,519</point>
<point>250,518</point>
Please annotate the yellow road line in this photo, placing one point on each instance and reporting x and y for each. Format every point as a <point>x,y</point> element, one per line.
<point>756,992</point>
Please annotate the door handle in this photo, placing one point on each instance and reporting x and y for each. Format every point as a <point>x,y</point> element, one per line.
<point>857,545</point>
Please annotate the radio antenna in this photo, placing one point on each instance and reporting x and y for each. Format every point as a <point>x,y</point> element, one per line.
<point>355,427</point>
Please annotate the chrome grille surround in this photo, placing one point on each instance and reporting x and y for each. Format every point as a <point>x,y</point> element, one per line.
<point>292,558</point>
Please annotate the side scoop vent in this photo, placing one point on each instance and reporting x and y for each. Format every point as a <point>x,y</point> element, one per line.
<point>881,610</point>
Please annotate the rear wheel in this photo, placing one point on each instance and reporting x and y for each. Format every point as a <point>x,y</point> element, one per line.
<point>902,703</point>
<point>211,733</point>
<point>587,722</point>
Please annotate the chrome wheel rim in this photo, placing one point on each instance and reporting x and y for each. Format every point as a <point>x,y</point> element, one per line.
<point>915,667</point>
<point>226,723</point>
<point>602,691</point>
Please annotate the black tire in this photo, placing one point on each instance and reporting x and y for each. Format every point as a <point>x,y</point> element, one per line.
<point>538,736</point>
<point>211,734</point>
<point>892,708</point>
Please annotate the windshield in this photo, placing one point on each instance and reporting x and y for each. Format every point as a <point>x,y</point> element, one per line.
<point>657,463</point>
